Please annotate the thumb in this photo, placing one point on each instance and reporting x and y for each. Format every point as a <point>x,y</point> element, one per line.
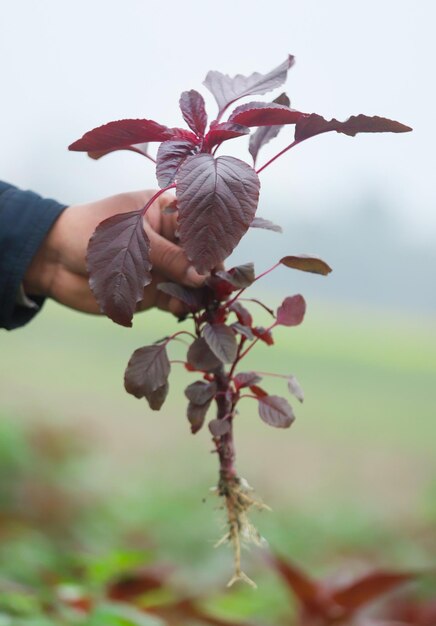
<point>171,261</point>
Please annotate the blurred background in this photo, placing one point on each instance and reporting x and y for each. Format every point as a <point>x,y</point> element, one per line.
<point>87,472</point>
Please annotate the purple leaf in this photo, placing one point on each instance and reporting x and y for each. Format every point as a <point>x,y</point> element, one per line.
<point>295,388</point>
<point>218,428</point>
<point>140,148</point>
<point>170,156</point>
<point>311,125</point>
<point>264,134</point>
<point>291,311</point>
<point>244,316</point>
<point>240,277</point>
<point>201,357</point>
<point>306,263</point>
<point>264,114</point>
<point>119,265</point>
<point>217,200</point>
<point>193,298</point>
<point>196,414</point>
<point>245,331</point>
<point>227,90</point>
<point>246,379</point>
<point>147,373</point>
<point>221,132</point>
<point>194,111</point>
<point>200,392</point>
<point>222,341</point>
<point>369,588</point>
<point>121,134</point>
<point>276,411</point>
<point>260,222</point>
<point>157,397</point>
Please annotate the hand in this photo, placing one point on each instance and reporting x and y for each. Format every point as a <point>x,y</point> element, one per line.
<point>59,268</point>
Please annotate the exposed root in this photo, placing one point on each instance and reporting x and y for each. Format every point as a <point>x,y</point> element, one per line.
<point>239,500</point>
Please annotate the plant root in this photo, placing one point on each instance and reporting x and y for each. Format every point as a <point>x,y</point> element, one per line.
<point>239,499</point>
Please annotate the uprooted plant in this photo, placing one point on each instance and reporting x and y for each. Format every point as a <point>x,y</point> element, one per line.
<point>216,202</point>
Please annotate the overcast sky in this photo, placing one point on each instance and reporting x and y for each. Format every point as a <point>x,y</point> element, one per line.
<point>67,67</point>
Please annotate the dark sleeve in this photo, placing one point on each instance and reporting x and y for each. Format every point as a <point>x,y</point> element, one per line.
<point>25,219</point>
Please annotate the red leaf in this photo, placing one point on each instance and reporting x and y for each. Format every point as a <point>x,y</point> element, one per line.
<point>240,277</point>
<point>264,134</point>
<point>170,156</point>
<point>200,392</point>
<point>201,357</point>
<point>119,265</point>
<point>311,125</point>
<point>276,411</point>
<point>221,132</point>
<point>217,200</point>
<point>306,263</point>
<point>196,414</point>
<point>147,374</point>
<point>258,391</point>
<point>260,222</point>
<point>264,335</point>
<point>244,316</point>
<point>129,586</point>
<point>182,133</point>
<point>246,379</point>
<point>222,341</point>
<point>218,428</point>
<point>121,134</point>
<point>193,298</point>
<point>291,311</point>
<point>227,90</point>
<point>264,114</point>
<point>194,111</point>
<point>140,148</point>
<point>369,588</point>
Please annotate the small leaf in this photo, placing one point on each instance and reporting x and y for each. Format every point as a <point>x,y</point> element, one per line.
<point>227,90</point>
<point>295,388</point>
<point>217,200</point>
<point>311,125</point>
<point>258,391</point>
<point>306,263</point>
<point>157,397</point>
<point>194,111</point>
<point>244,316</point>
<point>222,341</point>
<point>193,298</point>
<point>264,134</point>
<point>119,265</point>
<point>241,276</point>
<point>222,132</point>
<point>264,334</point>
<point>369,588</point>
<point>260,222</point>
<point>121,134</point>
<point>218,428</point>
<point>276,411</point>
<point>170,156</point>
<point>245,331</point>
<point>246,379</point>
<point>201,357</point>
<point>147,372</point>
<point>264,114</point>
<point>196,415</point>
<point>291,311</point>
<point>200,392</point>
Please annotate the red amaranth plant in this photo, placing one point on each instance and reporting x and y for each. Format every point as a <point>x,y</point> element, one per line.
<point>216,203</point>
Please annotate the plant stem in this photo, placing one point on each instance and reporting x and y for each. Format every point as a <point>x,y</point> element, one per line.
<point>294,143</point>
<point>155,197</point>
<point>224,444</point>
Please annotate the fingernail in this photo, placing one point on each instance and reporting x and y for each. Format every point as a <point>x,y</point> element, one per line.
<point>194,277</point>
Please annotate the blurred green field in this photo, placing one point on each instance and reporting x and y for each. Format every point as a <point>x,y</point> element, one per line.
<point>356,472</point>
<point>355,475</point>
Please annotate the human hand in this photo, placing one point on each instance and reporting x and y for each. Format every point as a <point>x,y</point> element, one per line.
<point>59,268</point>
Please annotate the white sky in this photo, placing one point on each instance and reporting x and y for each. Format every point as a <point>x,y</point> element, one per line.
<point>67,67</point>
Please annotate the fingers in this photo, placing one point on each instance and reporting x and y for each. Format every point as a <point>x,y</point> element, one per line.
<point>171,261</point>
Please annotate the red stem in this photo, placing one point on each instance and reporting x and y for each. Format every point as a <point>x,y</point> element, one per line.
<point>294,143</point>
<point>155,197</point>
